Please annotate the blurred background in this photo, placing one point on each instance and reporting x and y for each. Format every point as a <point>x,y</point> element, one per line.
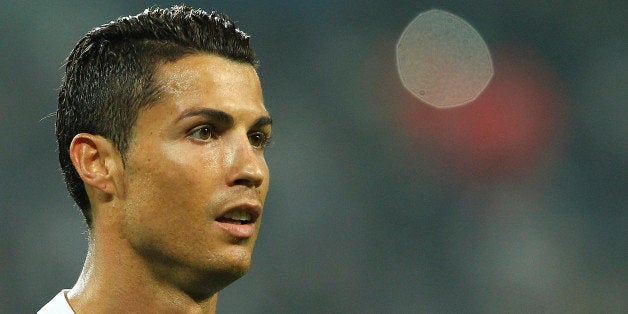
<point>378,202</point>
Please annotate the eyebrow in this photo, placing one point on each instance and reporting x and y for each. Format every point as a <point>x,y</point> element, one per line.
<point>222,117</point>
<point>217,115</point>
<point>262,122</point>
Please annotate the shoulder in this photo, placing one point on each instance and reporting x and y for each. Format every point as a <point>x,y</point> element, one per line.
<point>58,305</point>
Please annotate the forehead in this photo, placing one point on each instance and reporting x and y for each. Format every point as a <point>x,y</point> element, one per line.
<point>212,81</point>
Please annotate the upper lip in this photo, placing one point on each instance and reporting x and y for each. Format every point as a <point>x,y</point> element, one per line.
<point>253,208</point>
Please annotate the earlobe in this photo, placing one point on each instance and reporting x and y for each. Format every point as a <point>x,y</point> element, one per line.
<point>92,158</point>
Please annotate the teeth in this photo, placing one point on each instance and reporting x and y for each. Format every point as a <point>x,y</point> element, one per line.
<point>238,215</point>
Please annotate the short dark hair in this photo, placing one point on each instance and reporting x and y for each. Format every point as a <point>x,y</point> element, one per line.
<point>109,75</point>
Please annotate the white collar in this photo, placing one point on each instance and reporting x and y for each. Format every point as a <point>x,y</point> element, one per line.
<point>58,305</point>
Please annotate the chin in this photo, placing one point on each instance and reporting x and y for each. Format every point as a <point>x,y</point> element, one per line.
<point>229,267</point>
<point>238,266</point>
<point>211,280</point>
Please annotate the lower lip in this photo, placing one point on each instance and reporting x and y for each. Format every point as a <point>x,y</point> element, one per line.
<point>237,231</point>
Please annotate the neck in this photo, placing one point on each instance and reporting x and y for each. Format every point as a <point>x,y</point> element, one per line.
<point>115,280</point>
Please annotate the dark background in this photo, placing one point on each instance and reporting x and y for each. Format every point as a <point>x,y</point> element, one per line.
<point>378,203</point>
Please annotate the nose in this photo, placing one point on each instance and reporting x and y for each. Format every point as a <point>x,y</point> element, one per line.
<point>247,166</point>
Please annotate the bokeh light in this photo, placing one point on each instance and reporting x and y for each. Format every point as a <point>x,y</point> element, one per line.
<point>443,60</point>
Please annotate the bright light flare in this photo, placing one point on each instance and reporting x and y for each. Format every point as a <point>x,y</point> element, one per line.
<point>442,60</point>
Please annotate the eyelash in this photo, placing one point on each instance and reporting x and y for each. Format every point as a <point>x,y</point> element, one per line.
<point>262,142</point>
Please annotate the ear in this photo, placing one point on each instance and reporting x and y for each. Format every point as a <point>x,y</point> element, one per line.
<point>97,162</point>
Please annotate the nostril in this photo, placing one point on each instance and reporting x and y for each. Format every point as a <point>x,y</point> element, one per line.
<point>247,182</point>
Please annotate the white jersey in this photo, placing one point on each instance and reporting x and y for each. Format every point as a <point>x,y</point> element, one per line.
<point>58,305</point>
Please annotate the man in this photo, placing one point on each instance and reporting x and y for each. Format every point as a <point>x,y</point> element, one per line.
<point>161,129</point>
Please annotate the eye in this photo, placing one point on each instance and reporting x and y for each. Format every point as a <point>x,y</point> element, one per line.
<point>203,133</point>
<point>259,139</point>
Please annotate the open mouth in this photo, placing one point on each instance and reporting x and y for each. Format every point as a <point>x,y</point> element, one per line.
<point>238,217</point>
<point>239,222</point>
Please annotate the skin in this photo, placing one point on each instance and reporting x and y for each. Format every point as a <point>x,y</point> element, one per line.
<point>155,245</point>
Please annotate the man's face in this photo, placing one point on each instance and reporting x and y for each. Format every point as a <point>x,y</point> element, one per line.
<point>195,177</point>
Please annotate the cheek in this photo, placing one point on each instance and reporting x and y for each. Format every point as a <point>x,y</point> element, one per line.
<point>266,182</point>
<point>169,182</point>
<point>167,204</point>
